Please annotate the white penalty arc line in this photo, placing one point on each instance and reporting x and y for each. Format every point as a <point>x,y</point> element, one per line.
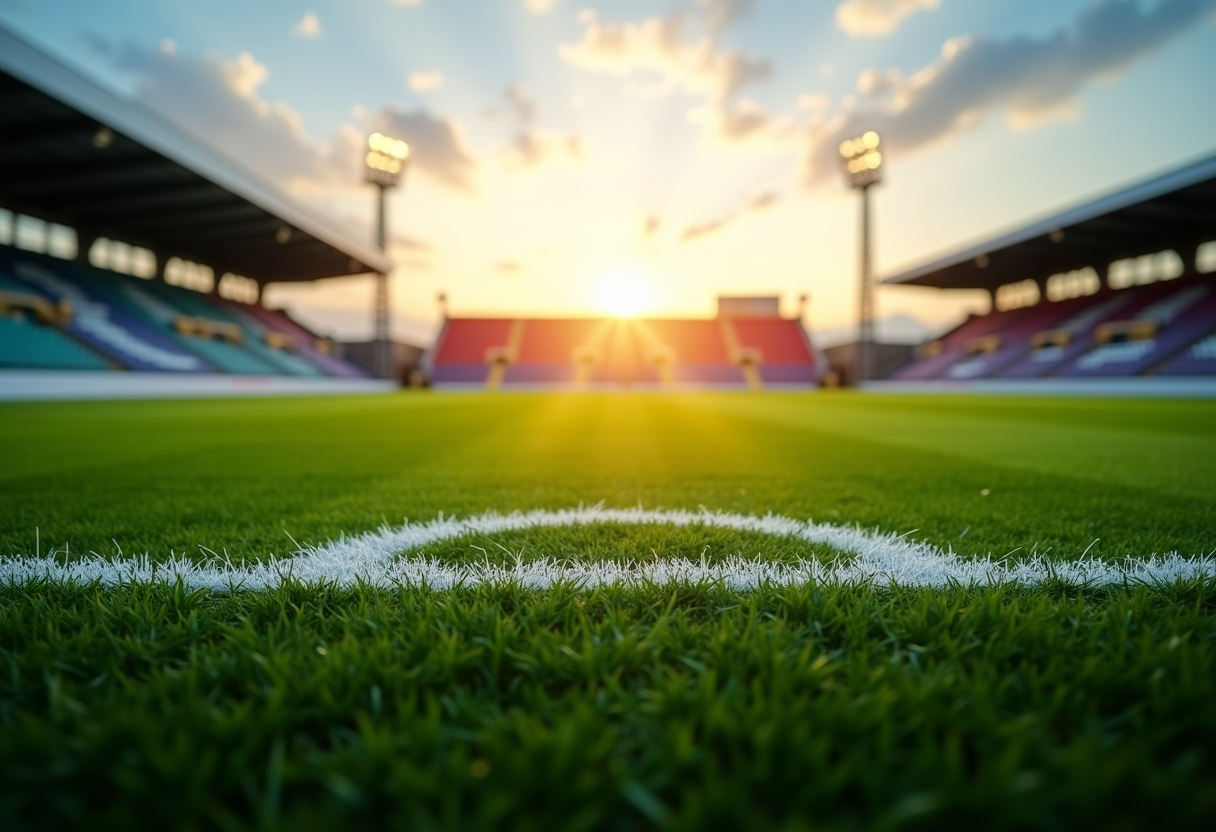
<point>375,558</point>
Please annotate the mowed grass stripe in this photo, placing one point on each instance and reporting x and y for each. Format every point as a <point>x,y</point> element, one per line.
<point>1131,453</point>
<point>316,469</point>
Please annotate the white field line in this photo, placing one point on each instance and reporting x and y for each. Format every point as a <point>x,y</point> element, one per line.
<point>375,558</point>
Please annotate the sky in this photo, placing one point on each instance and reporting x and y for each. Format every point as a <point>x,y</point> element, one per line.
<point>574,158</point>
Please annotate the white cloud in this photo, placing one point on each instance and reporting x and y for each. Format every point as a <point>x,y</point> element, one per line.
<point>425,81</point>
<point>1027,79</point>
<point>218,99</point>
<point>309,26</point>
<point>658,45</point>
<point>675,58</point>
<point>861,18</point>
<point>745,121</point>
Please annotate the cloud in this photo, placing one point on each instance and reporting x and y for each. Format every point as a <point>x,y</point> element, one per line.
<point>425,81</point>
<point>309,26</point>
<point>861,18</point>
<point>669,48</point>
<point>658,45</point>
<point>531,147</point>
<point>759,202</point>
<point>1028,79</point>
<point>217,99</point>
<point>738,123</point>
<point>438,147</point>
<point>722,13</point>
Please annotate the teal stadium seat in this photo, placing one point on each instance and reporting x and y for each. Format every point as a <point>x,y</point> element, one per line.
<point>26,344</point>
<point>287,362</point>
<point>231,358</point>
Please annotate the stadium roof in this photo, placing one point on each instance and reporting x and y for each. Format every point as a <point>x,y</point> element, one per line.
<point>1174,210</point>
<point>151,184</point>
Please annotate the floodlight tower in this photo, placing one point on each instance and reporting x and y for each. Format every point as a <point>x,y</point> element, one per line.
<point>862,167</point>
<point>384,167</point>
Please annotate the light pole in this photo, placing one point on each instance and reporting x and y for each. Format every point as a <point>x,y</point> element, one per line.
<point>384,166</point>
<point>862,167</point>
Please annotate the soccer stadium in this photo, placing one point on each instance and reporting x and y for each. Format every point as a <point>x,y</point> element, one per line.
<point>660,522</point>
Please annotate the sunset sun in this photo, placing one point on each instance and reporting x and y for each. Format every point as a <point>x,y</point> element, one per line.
<point>624,293</point>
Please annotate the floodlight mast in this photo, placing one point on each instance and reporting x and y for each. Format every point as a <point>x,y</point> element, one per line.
<point>384,166</point>
<point>863,169</point>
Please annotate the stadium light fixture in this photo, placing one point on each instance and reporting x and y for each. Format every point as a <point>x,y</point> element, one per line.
<point>386,159</point>
<point>384,166</point>
<point>862,161</point>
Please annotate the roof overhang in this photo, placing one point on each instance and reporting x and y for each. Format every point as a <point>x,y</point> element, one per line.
<point>152,185</point>
<point>1175,210</point>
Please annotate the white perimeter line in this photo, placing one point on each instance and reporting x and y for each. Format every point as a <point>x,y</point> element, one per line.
<point>374,558</point>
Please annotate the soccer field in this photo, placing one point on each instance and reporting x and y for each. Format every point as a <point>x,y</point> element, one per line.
<point>565,676</point>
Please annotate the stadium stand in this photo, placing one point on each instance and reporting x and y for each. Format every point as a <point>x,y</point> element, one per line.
<point>601,352</point>
<point>1161,327</point>
<point>1198,359</point>
<point>469,348</point>
<point>104,169</point>
<point>557,351</point>
<point>784,354</point>
<point>85,318</point>
<point>112,330</point>
<point>28,343</point>
<point>1127,332</point>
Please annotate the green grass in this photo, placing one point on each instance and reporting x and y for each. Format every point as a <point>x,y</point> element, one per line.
<point>673,707</point>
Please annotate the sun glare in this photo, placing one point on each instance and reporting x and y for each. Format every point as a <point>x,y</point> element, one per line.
<point>623,293</point>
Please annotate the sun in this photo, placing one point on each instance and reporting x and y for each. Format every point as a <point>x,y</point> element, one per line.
<point>624,293</point>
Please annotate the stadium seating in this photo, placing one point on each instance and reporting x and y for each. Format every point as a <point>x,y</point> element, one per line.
<point>109,329</point>
<point>25,343</point>
<point>1198,359</point>
<point>559,351</point>
<point>214,339</point>
<point>1149,329</point>
<point>937,357</point>
<point>275,348</point>
<point>784,351</point>
<point>1159,330</point>
<point>315,350</point>
<point>61,315</point>
<point>467,349</point>
<point>646,352</point>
